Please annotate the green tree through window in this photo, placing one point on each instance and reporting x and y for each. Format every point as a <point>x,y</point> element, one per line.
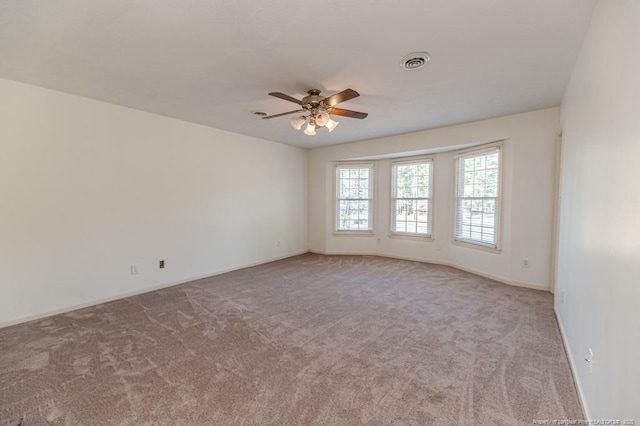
<point>411,197</point>
<point>354,197</point>
<point>477,197</point>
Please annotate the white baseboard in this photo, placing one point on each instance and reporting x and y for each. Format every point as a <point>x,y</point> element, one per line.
<point>574,370</point>
<point>342,253</point>
<point>543,287</point>
<point>141,291</point>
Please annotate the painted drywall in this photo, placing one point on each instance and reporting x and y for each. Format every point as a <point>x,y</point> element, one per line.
<point>599,245</point>
<point>89,188</point>
<point>528,192</point>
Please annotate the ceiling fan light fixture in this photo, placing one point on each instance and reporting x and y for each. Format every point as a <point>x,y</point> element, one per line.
<point>310,130</point>
<point>322,119</point>
<point>331,124</point>
<point>298,122</point>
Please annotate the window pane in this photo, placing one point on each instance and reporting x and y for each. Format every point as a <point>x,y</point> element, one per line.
<point>353,198</point>
<point>411,198</point>
<point>477,193</point>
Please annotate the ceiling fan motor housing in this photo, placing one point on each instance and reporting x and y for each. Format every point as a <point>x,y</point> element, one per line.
<point>314,98</point>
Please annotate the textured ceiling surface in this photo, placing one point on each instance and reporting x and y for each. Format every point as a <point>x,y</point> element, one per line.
<point>213,62</point>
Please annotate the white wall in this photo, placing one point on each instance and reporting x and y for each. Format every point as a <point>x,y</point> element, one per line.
<point>88,189</point>
<point>528,195</point>
<point>599,244</point>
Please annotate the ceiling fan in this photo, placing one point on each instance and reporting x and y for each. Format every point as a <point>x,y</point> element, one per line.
<point>318,110</point>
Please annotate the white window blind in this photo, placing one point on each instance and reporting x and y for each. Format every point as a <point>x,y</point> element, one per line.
<point>411,197</point>
<point>478,197</point>
<point>354,202</point>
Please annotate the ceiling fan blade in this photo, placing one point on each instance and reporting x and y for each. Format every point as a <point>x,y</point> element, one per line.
<point>345,95</point>
<point>348,113</point>
<point>281,114</point>
<point>285,97</point>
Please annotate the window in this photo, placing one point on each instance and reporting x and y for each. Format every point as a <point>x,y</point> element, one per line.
<point>411,197</point>
<point>354,203</point>
<point>478,197</point>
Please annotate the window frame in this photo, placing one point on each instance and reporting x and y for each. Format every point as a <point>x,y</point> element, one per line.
<point>498,147</point>
<point>392,198</point>
<point>336,200</point>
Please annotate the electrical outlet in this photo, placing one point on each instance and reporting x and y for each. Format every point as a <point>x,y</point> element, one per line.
<point>562,296</point>
<point>279,243</point>
<point>161,264</point>
<point>134,270</point>
<point>438,246</point>
<point>525,262</point>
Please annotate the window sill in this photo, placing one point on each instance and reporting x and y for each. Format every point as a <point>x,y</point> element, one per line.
<point>477,246</point>
<point>425,238</point>
<point>368,233</point>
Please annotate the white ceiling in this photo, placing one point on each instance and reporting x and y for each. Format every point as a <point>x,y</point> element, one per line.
<point>213,62</point>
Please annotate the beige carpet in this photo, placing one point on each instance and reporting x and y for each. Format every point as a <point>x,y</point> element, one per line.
<point>310,340</point>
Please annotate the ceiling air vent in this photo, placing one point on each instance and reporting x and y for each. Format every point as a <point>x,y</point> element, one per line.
<point>414,61</point>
